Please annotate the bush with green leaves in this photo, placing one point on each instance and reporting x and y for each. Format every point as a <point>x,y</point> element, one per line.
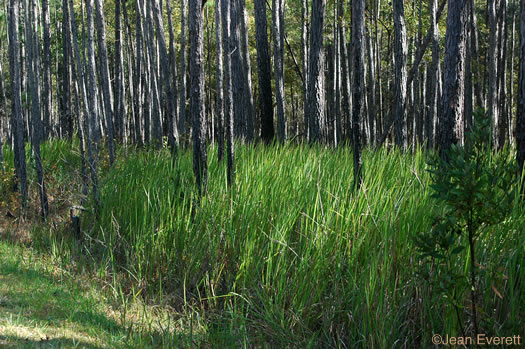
<point>476,190</point>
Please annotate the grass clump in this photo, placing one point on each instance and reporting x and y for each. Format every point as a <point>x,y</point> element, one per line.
<point>289,256</point>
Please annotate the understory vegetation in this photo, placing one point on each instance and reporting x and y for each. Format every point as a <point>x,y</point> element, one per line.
<point>289,256</point>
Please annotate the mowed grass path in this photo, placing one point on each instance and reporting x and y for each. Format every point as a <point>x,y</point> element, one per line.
<point>45,306</point>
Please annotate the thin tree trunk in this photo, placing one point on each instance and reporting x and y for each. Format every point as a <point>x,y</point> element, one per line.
<point>264,71</point>
<point>228,102</point>
<point>119,106</point>
<point>46,65</point>
<point>400,85</point>
<point>182,83</point>
<point>16,110</point>
<point>33,68</point>
<point>358,66</point>
<point>219,102</point>
<point>170,97</point>
<point>197,95</point>
<point>139,113</point>
<point>315,96</point>
<point>156,115</point>
<point>93,116</point>
<point>520,115</point>
<point>172,128</point>
<point>493,9</point>
<point>451,121</point>
<point>248,98</point>
<point>278,54</point>
<point>106,84</point>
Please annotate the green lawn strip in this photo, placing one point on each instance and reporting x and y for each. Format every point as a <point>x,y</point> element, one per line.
<point>42,306</point>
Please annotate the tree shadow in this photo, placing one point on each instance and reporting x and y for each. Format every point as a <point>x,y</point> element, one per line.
<point>38,302</point>
<point>58,342</point>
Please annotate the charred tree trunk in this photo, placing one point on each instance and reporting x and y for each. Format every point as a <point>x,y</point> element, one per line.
<point>400,85</point>
<point>264,70</point>
<point>197,95</point>
<point>315,96</point>
<point>16,102</point>
<point>451,117</point>
<point>106,84</point>
<point>278,54</point>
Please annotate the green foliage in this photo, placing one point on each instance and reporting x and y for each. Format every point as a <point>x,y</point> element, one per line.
<point>477,191</point>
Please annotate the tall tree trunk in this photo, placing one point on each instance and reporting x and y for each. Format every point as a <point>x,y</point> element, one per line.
<point>156,112</point>
<point>315,96</point>
<point>304,58</point>
<point>451,121</point>
<point>278,54</point>
<point>345,78</point>
<point>173,129</point>
<point>469,101</point>
<point>492,100</point>
<point>33,68</point>
<point>93,117</point>
<point>119,105</point>
<point>182,83</point>
<point>83,118</point>
<point>219,102</point>
<point>46,66</point>
<point>237,71</point>
<point>358,92</point>
<point>400,85</point>
<point>433,79</point>
<point>16,109</point>
<point>264,71</point>
<point>372,111</point>
<point>106,84</point>
<point>502,122</point>
<point>139,113</point>
<point>228,91</point>
<point>168,78</point>
<point>520,115</point>
<point>66,119</point>
<point>248,93</point>
<point>197,95</point>
<point>3,113</point>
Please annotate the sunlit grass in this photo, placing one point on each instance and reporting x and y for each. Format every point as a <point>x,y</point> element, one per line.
<point>290,256</point>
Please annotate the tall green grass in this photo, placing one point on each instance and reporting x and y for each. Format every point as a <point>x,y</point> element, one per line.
<point>290,256</point>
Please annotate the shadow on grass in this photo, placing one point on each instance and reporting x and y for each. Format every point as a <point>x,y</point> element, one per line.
<point>60,342</point>
<point>36,303</point>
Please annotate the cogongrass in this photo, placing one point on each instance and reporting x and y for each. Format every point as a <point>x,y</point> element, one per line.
<point>290,255</point>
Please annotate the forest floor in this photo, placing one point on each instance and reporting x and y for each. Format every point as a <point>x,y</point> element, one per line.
<point>45,305</point>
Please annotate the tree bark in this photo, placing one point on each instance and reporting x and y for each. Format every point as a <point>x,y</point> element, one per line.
<point>264,71</point>
<point>93,116</point>
<point>358,92</point>
<point>46,66</point>
<point>183,58</point>
<point>228,92</point>
<point>156,112</point>
<point>106,84</point>
<point>400,84</point>
<point>451,122</point>
<point>33,69</point>
<point>315,96</point>
<point>520,115</point>
<point>197,95</point>
<point>278,54</point>
<point>248,93</point>
<point>119,106</point>
<point>16,110</point>
<point>219,102</point>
